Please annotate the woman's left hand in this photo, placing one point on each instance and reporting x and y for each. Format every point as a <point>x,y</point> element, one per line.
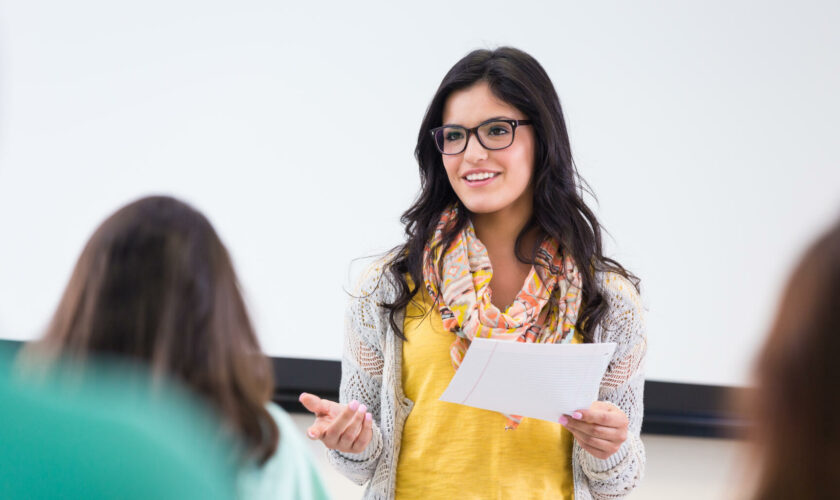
<point>600,430</point>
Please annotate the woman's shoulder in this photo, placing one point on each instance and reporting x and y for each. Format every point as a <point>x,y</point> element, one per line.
<point>290,473</point>
<point>290,436</point>
<point>626,311</point>
<point>376,280</point>
<point>281,418</point>
<point>618,288</point>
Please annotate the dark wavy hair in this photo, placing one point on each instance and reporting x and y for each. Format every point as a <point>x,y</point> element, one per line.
<point>155,285</point>
<point>559,210</point>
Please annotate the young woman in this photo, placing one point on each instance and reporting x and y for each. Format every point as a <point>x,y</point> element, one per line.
<point>155,285</point>
<point>499,244</point>
<point>796,437</point>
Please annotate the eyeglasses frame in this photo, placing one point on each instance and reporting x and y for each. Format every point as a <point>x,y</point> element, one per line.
<point>474,131</point>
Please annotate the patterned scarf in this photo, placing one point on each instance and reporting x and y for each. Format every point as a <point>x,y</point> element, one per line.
<point>463,294</point>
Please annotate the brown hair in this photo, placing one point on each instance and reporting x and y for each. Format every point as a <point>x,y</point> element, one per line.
<point>155,284</point>
<point>796,407</point>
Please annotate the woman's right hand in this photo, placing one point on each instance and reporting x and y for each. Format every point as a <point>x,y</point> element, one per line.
<point>346,428</point>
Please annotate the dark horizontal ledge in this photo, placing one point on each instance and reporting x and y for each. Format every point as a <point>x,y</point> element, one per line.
<point>696,426</point>
<point>671,408</point>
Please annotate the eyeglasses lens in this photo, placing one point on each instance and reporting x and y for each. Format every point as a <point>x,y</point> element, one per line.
<point>496,135</point>
<point>492,135</point>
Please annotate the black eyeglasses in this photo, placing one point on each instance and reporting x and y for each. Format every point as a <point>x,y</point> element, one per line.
<point>494,134</point>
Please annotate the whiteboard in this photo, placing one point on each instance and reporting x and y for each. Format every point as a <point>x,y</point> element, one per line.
<point>708,132</point>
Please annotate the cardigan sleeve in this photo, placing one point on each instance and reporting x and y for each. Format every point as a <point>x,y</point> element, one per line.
<point>361,372</point>
<point>623,386</point>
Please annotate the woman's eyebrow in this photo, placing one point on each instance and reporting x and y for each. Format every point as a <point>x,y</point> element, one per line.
<point>500,117</point>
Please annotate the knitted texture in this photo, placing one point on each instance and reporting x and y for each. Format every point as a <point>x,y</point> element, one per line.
<point>371,373</point>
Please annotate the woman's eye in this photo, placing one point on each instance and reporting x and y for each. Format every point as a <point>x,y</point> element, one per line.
<point>453,135</point>
<point>498,130</point>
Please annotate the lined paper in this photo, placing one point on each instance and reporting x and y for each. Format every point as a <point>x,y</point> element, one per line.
<point>541,381</point>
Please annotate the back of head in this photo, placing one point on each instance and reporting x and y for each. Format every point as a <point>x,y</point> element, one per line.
<point>797,404</point>
<point>156,285</point>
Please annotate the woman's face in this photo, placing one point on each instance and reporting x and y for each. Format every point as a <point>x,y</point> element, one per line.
<point>509,186</point>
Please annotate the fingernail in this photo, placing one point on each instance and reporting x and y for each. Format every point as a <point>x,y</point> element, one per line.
<point>577,415</point>
<point>368,417</point>
<point>564,420</point>
<point>310,434</point>
<point>362,408</point>
<point>353,405</point>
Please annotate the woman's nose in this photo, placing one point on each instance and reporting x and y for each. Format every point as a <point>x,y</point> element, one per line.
<point>475,151</point>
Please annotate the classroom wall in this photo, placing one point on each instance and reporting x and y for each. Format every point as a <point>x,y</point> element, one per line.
<point>707,130</point>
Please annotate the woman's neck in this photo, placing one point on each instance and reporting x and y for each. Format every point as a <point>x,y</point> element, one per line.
<point>498,231</point>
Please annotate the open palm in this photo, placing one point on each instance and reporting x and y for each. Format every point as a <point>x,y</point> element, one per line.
<point>347,428</point>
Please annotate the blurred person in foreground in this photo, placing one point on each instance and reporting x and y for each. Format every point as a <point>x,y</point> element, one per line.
<point>796,436</point>
<point>106,433</point>
<point>155,285</point>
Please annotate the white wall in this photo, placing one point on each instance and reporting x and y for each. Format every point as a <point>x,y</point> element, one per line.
<point>707,130</point>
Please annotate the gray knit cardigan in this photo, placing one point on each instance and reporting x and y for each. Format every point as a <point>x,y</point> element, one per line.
<point>371,374</point>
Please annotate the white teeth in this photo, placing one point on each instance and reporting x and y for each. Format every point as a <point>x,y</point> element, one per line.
<point>480,176</point>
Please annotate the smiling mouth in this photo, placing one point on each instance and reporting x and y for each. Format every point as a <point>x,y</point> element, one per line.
<point>480,176</point>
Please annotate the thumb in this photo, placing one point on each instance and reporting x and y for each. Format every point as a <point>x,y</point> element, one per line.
<point>604,406</point>
<point>313,403</point>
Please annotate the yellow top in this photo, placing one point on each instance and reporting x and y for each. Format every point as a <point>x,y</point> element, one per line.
<point>454,451</point>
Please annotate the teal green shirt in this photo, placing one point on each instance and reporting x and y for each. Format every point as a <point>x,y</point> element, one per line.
<point>107,437</point>
<point>290,473</point>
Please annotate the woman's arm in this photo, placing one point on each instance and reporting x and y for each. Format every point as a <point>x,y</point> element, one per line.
<point>361,371</point>
<point>622,386</point>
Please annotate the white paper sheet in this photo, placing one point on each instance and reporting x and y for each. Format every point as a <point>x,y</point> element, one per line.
<point>532,380</point>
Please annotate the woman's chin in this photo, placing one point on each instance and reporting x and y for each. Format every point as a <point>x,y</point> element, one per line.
<point>482,207</point>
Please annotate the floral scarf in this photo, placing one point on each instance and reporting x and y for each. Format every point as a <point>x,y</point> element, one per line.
<point>463,294</point>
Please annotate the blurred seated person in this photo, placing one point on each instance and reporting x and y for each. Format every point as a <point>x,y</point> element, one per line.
<point>104,434</point>
<point>796,408</point>
<point>155,285</point>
